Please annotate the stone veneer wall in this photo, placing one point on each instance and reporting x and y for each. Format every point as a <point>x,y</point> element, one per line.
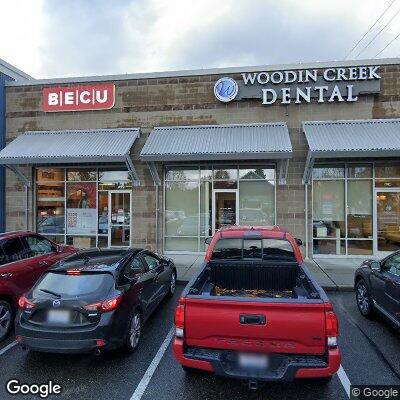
<point>147,103</point>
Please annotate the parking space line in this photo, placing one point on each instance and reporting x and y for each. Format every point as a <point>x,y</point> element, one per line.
<point>141,387</point>
<point>8,347</point>
<point>344,380</point>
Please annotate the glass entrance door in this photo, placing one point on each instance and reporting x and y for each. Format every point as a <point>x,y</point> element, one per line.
<point>225,208</point>
<point>387,224</point>
<point>119,218</point>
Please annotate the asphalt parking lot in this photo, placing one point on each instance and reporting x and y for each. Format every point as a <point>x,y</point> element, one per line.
<point>370,352</point>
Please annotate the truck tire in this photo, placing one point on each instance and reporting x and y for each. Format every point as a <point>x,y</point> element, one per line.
<point>188,370</point>
<point>364,299</point>
<point>6,319</point>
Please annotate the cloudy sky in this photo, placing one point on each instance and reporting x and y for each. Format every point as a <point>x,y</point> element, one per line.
<point>52,38</point>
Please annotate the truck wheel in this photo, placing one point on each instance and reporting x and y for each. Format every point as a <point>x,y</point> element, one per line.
<point>364,299</point>
<point>6,319</point>
<point>188,370</point>
<point>134,332</point>
<point>323,381</point>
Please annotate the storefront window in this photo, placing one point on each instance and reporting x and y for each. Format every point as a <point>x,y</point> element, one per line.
<point>328,172</point>
<point>50,204</point>
<point>343,209</point>
<point>257,203</point>
<point>181,174</point>
<point>50,175</point>
<point>226,173</point>
<point>81,208</point>
<point>387,171</point>
<point>256,173</point>
<point>198,197</point>
<point>70,208</point>
<point>181,208</point>
<point>359,209</point>
<point>81,175</point>
<point>328,206</point>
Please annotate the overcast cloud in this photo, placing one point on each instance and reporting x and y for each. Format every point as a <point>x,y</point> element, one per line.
<point>51,38</point>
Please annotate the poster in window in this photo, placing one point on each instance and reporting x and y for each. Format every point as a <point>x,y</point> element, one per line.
<point>81,208</point>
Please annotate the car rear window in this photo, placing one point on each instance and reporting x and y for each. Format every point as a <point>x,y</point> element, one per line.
<point>74,285</point>
<point>266,249</point>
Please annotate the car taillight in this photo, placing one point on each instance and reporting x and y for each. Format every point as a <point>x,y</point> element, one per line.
<point>24,303</point>
<point>73,272</point>
<point>180,319</point>
<point>105,305</point>
<point>331,328</point>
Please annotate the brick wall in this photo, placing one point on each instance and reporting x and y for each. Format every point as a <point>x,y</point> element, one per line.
<point>183,101</point>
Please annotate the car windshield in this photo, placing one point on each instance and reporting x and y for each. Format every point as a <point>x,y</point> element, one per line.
<point>97,284</point>
<point>266,249</point>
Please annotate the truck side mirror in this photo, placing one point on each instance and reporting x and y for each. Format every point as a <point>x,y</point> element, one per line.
<point>207,240</point>
<point>375,266</point>
<point>299,242</point>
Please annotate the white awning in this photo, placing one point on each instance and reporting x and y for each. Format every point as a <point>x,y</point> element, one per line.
<point>72,146</point>
<point>351,139</point>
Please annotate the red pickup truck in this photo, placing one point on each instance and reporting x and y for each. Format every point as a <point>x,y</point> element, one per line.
<point>254,312</point>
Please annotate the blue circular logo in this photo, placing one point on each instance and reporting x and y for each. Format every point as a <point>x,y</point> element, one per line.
<point>225,89</point>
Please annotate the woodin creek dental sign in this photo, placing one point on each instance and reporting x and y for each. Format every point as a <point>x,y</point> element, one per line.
<point>79,97</point>
<point>301,86</point>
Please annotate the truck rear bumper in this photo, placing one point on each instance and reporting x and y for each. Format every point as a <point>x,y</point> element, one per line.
<point>284,367</point>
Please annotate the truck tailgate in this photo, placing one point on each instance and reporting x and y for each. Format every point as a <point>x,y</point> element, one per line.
<point>296,328</point>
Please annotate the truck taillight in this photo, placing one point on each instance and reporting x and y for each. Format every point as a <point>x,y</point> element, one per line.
<point>331,328</point>
<point>180,319</point>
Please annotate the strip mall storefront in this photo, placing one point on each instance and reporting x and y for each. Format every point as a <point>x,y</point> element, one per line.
<point>163,160</point>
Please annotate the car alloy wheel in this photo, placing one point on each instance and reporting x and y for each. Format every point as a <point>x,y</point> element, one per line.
<point>135,330</point>
<point>5,319</point>
<point>363,301</point>
<point>172,285</point>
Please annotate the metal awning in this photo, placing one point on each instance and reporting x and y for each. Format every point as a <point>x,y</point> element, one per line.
<point>350,139</point>
<point>268,141</point>
<point>72,146</point>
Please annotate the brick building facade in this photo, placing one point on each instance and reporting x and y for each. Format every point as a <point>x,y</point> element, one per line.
<point>187,98</point>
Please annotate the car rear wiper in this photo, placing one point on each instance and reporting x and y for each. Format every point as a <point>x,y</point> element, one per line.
<point>50,292</point>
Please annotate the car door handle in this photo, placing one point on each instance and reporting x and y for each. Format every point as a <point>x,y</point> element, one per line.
<point>43,263</point>
<point>6,275</point>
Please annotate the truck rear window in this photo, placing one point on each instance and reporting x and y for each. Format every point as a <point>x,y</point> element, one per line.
<point>266,249</point>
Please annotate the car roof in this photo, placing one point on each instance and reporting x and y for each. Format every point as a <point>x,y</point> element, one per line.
<point>14,234</point>
<point>95,260</point>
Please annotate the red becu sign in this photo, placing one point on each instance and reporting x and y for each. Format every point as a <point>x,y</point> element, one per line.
<point>79,98</point>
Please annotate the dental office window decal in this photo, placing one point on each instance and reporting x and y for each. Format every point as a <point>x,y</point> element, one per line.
<point>301,86</point>
<point>81,208</point>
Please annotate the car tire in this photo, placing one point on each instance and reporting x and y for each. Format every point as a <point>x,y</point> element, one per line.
<point>134,332</point>
<point>364,299</point>
<point>172,285</point>
<point>6,319</point>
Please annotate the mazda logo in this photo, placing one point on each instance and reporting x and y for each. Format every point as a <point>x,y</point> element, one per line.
<point>56,303</point>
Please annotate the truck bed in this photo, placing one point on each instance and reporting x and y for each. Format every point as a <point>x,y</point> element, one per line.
<point>260,279</point>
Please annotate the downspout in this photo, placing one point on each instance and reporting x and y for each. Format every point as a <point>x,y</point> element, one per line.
<point>157,218</point>
<point>306,216</point>
<point>26,208</point>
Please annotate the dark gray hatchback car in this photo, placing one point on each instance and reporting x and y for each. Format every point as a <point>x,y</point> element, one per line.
<point>377,286</point>
<point>94,300</point>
